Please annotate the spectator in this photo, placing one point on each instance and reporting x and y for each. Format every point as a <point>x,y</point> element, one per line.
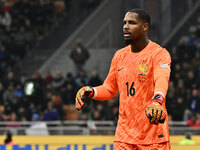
<point>95,79</point>
<point>50,113</point>
<point>180,106</point>
<point>196,63</point>
<point>188,140</point>
<point>21,114</point>
<point>3,53</point>
<point>192,44</point>
<point>198,31</point>
<point>68,94</point>
<point>58,105</point>
<point>97,115</point>
<point>2,113</point>
<point>47,99</point>
<point>194,102</point>
<point>20,42</point>
<point>181,49</point>
<point>79,55</point>
<point>13,127</point>
<point>38,89</point>
<point>48,77</point>
<point>1,93</point>
<point>190,80</point>
<point>5,17</point>
<point>23,80</point>
<point>101,111</point>
<point>9,96</point>
<point>192,122</point>
<point>109,110</point>
<point>171,98</point>
<point>70,79</point>
<point>19,92</point>
<point>30,111</point>
<point>35,117</point>
<point>37,79</point>
<point>181,89</point>
<point>81,79</point>
<point>10,79</point>
<point>83,116</point>
<point>58,81</point>
<point>176,75</point>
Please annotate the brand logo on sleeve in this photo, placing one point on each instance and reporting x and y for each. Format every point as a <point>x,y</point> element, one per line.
<point>119,69</point>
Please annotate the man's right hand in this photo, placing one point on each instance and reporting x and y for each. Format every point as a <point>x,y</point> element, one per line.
<point>82,96</point>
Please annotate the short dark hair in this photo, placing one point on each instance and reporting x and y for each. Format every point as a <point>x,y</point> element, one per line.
<point>142,15</point>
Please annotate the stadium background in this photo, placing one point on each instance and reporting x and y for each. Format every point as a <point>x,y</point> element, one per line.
<point>38,78</point>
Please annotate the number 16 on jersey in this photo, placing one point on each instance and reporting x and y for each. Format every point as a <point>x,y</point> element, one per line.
<point>130,89</point>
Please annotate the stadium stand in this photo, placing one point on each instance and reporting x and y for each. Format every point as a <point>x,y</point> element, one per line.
<point>25,30</point>
<point>67,22</point>
<point>183,94</point>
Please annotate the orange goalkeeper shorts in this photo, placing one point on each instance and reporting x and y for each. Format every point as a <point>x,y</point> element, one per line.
<point>126,146</point>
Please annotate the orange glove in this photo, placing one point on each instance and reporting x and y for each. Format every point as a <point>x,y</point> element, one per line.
<point>155,111</point>
<point>82,95</point>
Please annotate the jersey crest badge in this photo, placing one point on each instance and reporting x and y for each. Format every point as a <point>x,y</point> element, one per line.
<point>143,68</point>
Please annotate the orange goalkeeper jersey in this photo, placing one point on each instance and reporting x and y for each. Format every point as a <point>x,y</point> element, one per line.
<point>137,77</point>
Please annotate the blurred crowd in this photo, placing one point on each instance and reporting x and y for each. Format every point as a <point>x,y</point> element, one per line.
<point>51,98</point>
<point>183,98</point>
<point>22,25</point>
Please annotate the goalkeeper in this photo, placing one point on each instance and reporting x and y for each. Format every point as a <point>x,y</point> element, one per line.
<point>140,73</point>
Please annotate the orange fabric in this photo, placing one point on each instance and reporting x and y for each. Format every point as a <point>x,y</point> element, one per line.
<point>126,146</point>
<point>137,76</point>
<point>103,93</point>
<point>161,72</point>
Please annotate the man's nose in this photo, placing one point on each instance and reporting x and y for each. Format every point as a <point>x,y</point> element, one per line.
<point>126,26</point>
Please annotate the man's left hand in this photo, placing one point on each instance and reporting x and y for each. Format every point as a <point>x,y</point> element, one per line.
<point>155,111</point>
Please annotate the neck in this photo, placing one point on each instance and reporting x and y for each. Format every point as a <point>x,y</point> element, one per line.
<point>139,45</point>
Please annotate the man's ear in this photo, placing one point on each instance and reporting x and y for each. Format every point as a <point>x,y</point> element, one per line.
<point>145,27</point>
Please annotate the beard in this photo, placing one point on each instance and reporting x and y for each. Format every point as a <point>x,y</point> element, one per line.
<point>128,41</point>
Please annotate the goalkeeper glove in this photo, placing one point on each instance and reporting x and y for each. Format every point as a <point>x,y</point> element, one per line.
<point>82,95</point>
<point>155,111</point>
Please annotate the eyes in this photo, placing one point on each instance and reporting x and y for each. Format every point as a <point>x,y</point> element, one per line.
<point>129,22</point>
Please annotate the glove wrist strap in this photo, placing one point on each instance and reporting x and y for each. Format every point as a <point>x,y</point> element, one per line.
<point>158,98</point>
<point>92,93</point>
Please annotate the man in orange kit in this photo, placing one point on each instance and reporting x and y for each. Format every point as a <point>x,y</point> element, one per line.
<point>140,73</point>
